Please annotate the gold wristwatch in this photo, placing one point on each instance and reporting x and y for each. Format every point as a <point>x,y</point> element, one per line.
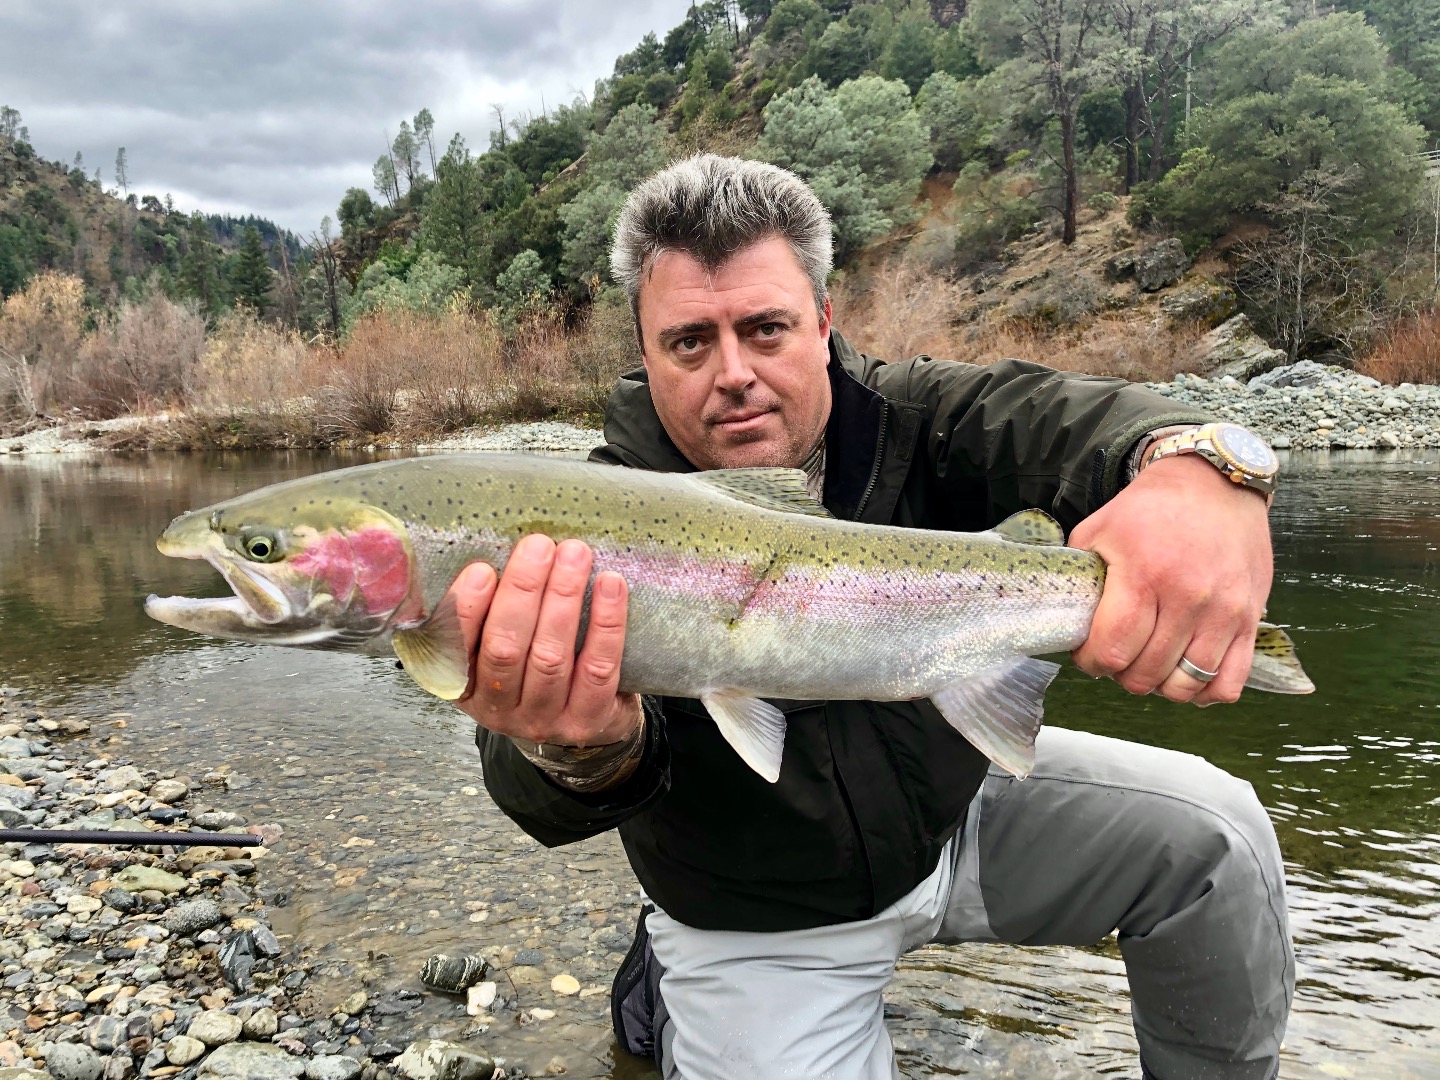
<point>1241,455</point>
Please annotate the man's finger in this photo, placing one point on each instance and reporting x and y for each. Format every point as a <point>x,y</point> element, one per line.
<point>510,625</point>
<point>1233,670</point>
<point>1206,650</point>
<point>552,651</point>
<point>1121,626</point>
<point>472,592</point>
<point>597,668</point>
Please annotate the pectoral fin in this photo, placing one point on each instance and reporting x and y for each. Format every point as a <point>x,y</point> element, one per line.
<point>1000,710</point>
<point>1276,668</point>
<point>754,728</point>
<point>433,653</point>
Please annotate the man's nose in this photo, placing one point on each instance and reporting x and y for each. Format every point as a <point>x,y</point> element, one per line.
<point>736,375</point>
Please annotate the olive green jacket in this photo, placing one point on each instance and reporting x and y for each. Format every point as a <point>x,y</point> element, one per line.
<point>869,792</point>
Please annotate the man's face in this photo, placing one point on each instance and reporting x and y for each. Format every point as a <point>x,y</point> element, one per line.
<point>737,357</point>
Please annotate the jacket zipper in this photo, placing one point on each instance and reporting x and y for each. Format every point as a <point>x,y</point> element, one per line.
<point>879,458</point>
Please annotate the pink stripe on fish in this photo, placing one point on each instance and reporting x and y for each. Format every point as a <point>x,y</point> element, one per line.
<point>839,592</point>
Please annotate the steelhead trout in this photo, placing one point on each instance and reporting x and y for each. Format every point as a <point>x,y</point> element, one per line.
<point>742,588</point>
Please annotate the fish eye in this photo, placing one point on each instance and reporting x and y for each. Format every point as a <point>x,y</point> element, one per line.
<point>261,548</point>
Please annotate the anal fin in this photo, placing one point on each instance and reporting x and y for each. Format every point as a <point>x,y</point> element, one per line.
<point>433,653</point>
<point>754,728</point>
<point>1000,710</point>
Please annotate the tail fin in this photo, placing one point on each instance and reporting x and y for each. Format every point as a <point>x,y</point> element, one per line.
<point>1276,668</point>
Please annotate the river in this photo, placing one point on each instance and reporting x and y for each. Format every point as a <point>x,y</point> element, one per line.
<point>393,851</point>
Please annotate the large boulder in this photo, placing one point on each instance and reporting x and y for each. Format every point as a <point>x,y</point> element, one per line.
<point>1160,265</point>
<point>1204,302</point>
<point>1234,348</point>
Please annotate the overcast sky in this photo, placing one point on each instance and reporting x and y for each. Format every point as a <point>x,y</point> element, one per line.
<point>275,107</point>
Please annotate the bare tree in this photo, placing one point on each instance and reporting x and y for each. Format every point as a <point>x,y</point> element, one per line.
<point>1304,280</point>
<point>326,253</point>
<point>122,172</point>
<point>1065,49</point>
<point>425,134</point>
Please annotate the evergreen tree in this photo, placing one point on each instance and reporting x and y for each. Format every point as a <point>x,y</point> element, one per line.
<point>455,223</point>
<point>200,267</point>
<point>251,278</point>
<point>956,115</point>
<point>405,153</point>
<point>807,133</point>
<point>425,135</point>
<point>843,52</point>
<point>632,146</point>
<point>386,182</point>
<point>122,171</point>
<point>910,54</point>
<point>1313,100</point>
<point>521,288</point>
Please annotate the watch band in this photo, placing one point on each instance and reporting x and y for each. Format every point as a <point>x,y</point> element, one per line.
<point>1239,454</point>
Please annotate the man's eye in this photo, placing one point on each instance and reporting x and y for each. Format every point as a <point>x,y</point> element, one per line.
<point>769,329</point>
<point>688,344</point>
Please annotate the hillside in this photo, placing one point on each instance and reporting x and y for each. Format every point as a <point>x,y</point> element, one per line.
<point>927,132</point>
<point>54,217</point>
<point>1266,163</point>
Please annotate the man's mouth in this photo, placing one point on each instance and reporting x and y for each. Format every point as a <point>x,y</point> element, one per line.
<point>742,421</point>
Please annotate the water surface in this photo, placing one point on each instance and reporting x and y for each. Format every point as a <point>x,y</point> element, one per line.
<point>393,851</point>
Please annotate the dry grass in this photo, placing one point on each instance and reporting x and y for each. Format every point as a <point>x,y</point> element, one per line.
<point>1410,352</point>
<point>252,367</point>
<point>899,310</point>
<point>904,309</point>
<point>145,357</point>
<point>1107,346</point>
<point>41,328</point>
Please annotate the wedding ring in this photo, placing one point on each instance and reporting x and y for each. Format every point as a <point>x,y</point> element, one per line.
<point>1199,674</point>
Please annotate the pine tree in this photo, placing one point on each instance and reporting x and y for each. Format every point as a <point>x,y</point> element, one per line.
<point>252,278</point>
<point>199,269</point>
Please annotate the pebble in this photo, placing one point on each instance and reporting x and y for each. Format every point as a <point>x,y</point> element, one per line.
<point>182,1050</point>
<point>193,916</point>
<point>252,1061</point>
<point>73,1061</point>
<point>169,791</point>
<point>479,998</point>
<point>332,1067</point>
<point>565,985</point>
<point>214,1028</point>
<point>262,1024</point>
<point>137,878</point>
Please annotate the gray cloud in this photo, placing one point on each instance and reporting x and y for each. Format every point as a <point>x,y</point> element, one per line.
<point>275,107</point>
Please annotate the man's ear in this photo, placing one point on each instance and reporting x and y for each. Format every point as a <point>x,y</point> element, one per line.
<point>827,317</point>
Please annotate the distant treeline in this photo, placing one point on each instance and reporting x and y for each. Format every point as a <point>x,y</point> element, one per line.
<point>1283,138</point>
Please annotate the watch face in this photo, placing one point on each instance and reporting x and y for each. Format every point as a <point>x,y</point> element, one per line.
<point>1245,450</point>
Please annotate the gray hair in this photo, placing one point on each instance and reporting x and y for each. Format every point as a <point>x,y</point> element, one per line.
<point>712,207</point>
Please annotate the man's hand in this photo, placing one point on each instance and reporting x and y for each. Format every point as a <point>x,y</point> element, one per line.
<point>526,679</point>
<point>1189,571</point>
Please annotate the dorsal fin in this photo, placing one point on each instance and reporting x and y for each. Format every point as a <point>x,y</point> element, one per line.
<point>773,489</point>
<point>1032,527</point>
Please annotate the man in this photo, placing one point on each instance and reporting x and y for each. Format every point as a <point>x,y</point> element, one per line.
<point>780,910</point>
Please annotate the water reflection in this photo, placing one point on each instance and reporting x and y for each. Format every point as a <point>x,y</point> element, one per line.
<point>340,748</point>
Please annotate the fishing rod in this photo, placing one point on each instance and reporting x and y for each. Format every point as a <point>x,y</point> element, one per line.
<point>135,839</point>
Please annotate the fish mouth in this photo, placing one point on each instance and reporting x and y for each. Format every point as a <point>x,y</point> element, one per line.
<point>257,606</point>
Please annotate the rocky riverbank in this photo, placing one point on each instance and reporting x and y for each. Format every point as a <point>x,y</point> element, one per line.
<point>161,961</point>
<point>1309,406</point>
<point>1303,406</point>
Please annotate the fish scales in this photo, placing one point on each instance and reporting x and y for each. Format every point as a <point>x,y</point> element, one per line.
<point>741,587</point>
<point>766,602</point>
